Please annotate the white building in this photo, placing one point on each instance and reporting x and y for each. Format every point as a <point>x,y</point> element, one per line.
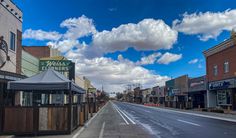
<point>11,30</point>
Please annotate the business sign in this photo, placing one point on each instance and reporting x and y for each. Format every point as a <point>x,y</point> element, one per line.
<point>3,52</point>
<point>92,90</point>
<point>224,84</point>
<point>65,67</point>
<point>58,65</point>
<point>176,91</point>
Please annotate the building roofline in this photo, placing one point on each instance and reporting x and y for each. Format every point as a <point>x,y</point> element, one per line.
<point>220,47</point>
<point>34,46</point>
<point>16,5</point>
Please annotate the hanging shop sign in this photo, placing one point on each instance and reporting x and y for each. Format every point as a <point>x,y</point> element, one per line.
<point>224,84</point>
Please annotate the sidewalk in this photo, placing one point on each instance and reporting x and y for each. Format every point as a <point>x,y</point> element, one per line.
<point>9,136</point>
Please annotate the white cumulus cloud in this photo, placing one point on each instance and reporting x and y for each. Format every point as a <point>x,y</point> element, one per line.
<point>78,27</point>
<point>206,25</point>
<point>148,34</point>
<point>150,59</point>
<point>167,58</point>
<point>41,35</point>
<point>115,74</point>
<point>193,61</point>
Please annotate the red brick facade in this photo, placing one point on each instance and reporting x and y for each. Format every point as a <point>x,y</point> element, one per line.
<point>227,55</point>
<point>18,52</point>
<point>38,51</point>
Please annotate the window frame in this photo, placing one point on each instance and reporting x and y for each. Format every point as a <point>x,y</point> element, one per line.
<point>215,70</point>
<point>12,46</point>
<point>226,67</point>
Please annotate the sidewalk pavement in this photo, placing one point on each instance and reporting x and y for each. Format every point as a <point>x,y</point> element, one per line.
<point>9,136</point>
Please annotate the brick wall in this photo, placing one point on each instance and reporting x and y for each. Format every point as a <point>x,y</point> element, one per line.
<point>18,52</point>
<point>38,51</point>
<point>218,59</point>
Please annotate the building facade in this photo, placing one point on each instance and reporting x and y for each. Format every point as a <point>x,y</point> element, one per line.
<point>221,74</point>
<point>29,64</point>
<point>198,92</point>
<point>137,95</point>
<point>11,33</point>
<point>177,91</point>
<point>38,51</point>
<point>10,51</point>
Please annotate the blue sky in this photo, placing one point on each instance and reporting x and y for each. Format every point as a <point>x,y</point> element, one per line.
<point>47,15</point>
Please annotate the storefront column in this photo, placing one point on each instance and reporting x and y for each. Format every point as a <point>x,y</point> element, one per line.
<point>211,99</point>
<point>1,106</point>
<point>233,99</point>
<point>70,111</point>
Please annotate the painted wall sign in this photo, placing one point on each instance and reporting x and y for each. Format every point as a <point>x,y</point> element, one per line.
<point>224,84</point>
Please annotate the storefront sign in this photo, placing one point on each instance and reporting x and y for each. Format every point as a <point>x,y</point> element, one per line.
<point>194,84</point>
<point>224,84</point>
<point>92,90</point>
<point>175,91</point>
<point>58,65</point>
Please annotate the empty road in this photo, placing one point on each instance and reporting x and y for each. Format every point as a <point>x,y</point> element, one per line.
<point>125,120</point>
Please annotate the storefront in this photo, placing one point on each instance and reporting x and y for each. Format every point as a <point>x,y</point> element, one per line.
<point>225,92</point>
<point>6,98</point>
<point>197,92</point>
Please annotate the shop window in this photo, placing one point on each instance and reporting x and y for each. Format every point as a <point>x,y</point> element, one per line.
<point>215,70</point>
<point>226,67</point>
<point>12,41</point>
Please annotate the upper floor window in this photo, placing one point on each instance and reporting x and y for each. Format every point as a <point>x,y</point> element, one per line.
<point>12,41</point>
<point>226,67</point>
<point>215,70</point>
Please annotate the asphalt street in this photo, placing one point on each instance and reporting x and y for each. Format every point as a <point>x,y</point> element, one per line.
<point>163,123</point>
<point>112,123</point>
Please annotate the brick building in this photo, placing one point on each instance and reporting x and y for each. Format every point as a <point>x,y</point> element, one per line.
<point>38,51</point>
<point>221,73</point>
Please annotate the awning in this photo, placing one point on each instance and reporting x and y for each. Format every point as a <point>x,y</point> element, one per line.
<point>47,80</point>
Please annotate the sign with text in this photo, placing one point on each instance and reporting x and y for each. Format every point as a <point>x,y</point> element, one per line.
<point>92,90</point>
<point>65,67</point>
<point>224,84</point>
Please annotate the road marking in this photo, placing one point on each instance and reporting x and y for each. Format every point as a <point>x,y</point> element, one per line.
<point>188,122</point>
<point>82,129</point>
<point>127,116</point>
<point>102,130</point>
<point>121,114</point>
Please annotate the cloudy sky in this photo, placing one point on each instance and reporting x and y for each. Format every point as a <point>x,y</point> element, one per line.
<point>120,42</point>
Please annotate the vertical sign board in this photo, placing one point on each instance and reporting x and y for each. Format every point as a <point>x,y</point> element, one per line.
<point>65,67</point>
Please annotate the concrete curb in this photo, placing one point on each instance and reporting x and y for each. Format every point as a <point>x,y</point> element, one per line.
<point>86,124</point>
